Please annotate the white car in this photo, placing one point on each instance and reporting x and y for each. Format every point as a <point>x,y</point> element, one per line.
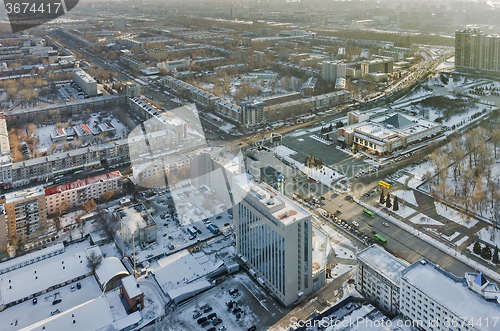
<point>355,223</point>
<point>385,224</point>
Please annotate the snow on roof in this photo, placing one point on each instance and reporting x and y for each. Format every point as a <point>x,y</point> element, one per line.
<point>187,268</point>
<point>23,282</point>
<point>133,318</point>
<point>451,292</point>
<point>275,205</point>
<point>386,264</point>
<point>81,183</point>
<point>109,268</point>
<point>131,286</point>
<point>90,316</point>
<point>31,258</point>
<point>192,288</point>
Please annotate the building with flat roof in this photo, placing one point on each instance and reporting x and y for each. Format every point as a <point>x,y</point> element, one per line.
<point>26,212</point>
<point>388,133</point>
<point>85,82</point>
<point>439,300</point>
<point>274,239</point>
<point>46,270</point>
<point>173,65</point>
<point>79,192</point>
<point>377,65</point>
<point>378,277</point>
<point>136,226</point>
<point>5,157</point>
<point>332,70</point>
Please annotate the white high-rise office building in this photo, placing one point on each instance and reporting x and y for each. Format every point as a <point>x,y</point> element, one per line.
<point>274,239</point>
<point>331,70</point>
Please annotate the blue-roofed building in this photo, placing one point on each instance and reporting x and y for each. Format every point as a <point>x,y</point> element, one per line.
<point>440,301</point>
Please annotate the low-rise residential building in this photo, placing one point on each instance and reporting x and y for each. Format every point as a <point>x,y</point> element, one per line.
<point>83,132</point>
<point>26,212</point>
<point>173,65</point>
<point>131,62</point>
<point>58,134</point>
<point>378,277</point>
<point>79,192</point>
<point>132,293</point>
<point>107,129</point>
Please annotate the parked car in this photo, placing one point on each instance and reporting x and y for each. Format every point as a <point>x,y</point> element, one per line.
<point>205,324</point>
<point>201,320</point>
<point>222,328</point>
<point>208,309</point>
<point>212,316</point>
<point>385,224</point>
<point>35,301</point>
<point>212,329</point>
<point>73,288</point>
<point>216,321</point>
<point>355,223</point>
<point>55,302</point>
<point>57,311</point>
<point>196,315</point>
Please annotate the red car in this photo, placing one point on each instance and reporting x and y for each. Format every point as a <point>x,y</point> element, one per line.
<point>351,281</point>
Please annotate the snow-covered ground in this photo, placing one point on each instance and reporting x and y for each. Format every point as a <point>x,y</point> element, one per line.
<point>223,125</point>
<point>406,195</point>
<point>341,269</point>
<point>403,211</point>
<point>461,241</point>
<point>342,252</point>
<point>419,171</point>
<point>402,179</point>
<point>454,215</point>
<point>490,236</point>
<point>422,219</point>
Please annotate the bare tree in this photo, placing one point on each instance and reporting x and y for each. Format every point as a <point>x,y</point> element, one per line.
<point>93,260</point>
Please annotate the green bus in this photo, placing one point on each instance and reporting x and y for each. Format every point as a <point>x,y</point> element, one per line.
<point>367,212</point>
<point>380,238</point>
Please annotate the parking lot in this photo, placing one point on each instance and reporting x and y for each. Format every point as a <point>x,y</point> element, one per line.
<point>237,304</point>
<point>71,90</point>
<point>173,232</point>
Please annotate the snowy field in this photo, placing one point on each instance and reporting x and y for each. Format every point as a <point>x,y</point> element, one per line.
<point>454,215</point>
<point>419,171</point>
<point>422,219</point>
<point>406,195</point>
